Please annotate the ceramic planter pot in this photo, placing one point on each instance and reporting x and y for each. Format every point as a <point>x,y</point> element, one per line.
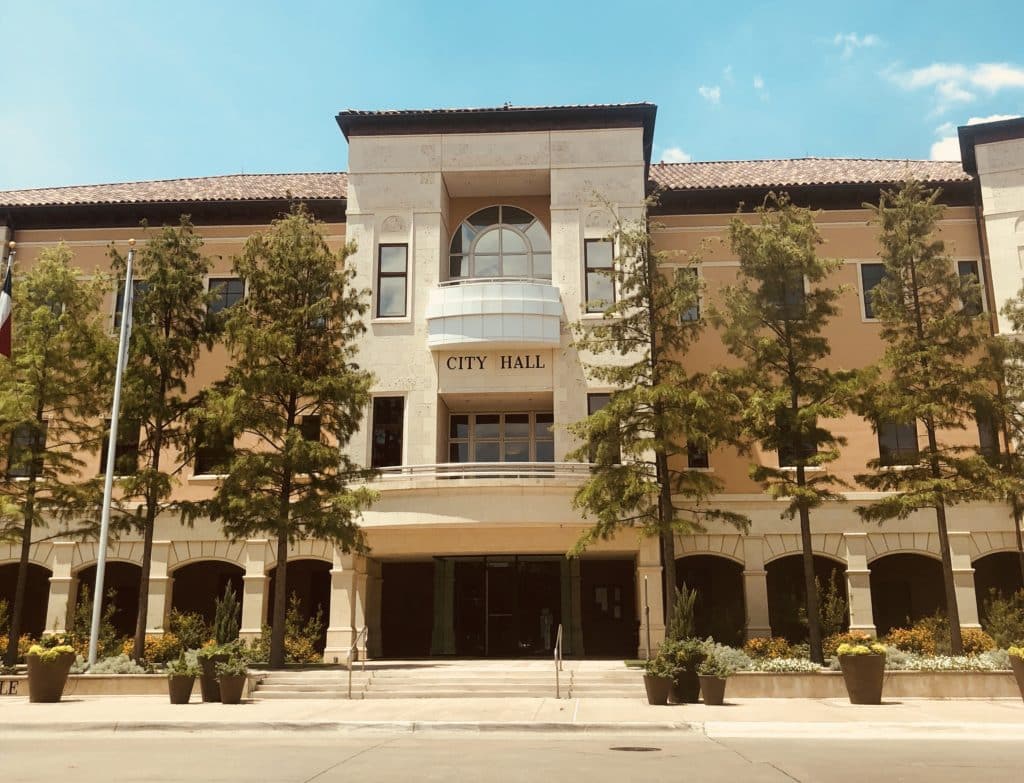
<point>231,687</point>
<point>208,679</point>
<point>657,689</point>
<point>863,675</point>
<point>713,690</point>
<point>685,688</point>
<point>46,679</point>
<point>179,686</point>
<point>1018,672</point>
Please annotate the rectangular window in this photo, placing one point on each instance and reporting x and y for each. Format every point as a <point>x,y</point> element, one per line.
<point>600,288</point>
<point>897,442</point>
<point>392,280</point>
<point>25,440</point>
<point>213,454</point>
<point>788,298</point>
<point>126,452</point>
<point>692,313</point>
<point>310,428</point>
<point>988,435</point>
<point>974,302</point>
<point>596,402</point>
<point>501,437</point>
<point>139,287</point>
<point>788,457</point>
<point>227,291</point>
<point>696,457</point>
<point>388,428</point>
<point>870,276</point>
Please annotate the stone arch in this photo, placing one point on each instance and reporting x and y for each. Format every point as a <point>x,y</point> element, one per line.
<point>199,583</point>
<point>40,554</point>
<point>881,544</point>
<point>33,619</point>
<point>309,578</point>
<point>905,587</point>
<point>779,545</point>
<point>183,553</point>
<point>309,549</point>
<point>785,580</point>
<point>998,573</point>
<point>720,609</point>
<point>121,579</point>
<point>87,553</point>
<point>728,546</point>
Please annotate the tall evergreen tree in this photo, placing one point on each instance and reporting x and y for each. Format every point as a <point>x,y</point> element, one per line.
<point>931,373</point>
<point>775,327</point>
<point>52,391</point>
<point>295,395</point>
<point>660,411</point>
<point>169,328</point>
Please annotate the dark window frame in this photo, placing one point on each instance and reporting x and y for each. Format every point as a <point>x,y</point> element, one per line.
<point>206,460</point>
<point>26,442</point>
<point>693,313</point>
<point>223,282</point>
<point>790,307</point>
<point>697,458</point>
<point>786,458</point>
<point>310,427</point>
<point>124,447</point>
<point>606,271</point>
<point>904,434</point>
<point>139,286</point>
<point>382,454</point>
<point>867,309</point>
<point>592,397</point>
<point>403,275</point>
<point>981,306</point>
<point>537,432</point>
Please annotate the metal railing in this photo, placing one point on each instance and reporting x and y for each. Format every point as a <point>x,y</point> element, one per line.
<point>511,279</point>
<point>353,652</point>
<point>460,470</point>
<point>558,663</point>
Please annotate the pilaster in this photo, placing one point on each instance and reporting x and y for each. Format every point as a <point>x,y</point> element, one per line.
<point>63,586</point>
<point>650,595</point>
<point>160,588</point>
<point>755,587</point>
<point>963,579</point>
<point>858,583</point>
<point>255,584</point>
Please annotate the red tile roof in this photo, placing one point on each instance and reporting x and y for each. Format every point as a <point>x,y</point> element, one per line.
<point>231,187</point>
<point>714,175</point>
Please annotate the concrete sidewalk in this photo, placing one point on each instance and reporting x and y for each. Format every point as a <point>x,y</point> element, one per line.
<point>825,718</point>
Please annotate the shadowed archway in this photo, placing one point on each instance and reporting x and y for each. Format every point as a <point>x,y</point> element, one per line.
<point>121,580</point>
<point>905,588</point>
<point>998,572</point>
<point>37,592</point>
<point>720,610</point>
<point>786,605</point>
<point>310,580</point>
<point>197,586</point>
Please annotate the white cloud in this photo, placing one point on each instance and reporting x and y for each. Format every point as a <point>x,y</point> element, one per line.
<point>675,155</point>
<point>948,147</point>
<point>712,94</point>
<point>955,83</point>
<point>758,82</point>
<point>851,42</point>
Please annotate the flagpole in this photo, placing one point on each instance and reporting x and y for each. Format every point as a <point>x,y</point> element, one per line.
<point>108,482</point>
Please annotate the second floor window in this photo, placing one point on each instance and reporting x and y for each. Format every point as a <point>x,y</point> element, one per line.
<point>501,437</point>
<point>501,241</point>
<point>692,313</point>
<point>696,456</point>
<point>598,258</point>
<point>595,402</point>
<point>789,455</point>
<point>139,287</point>
<point>787,297</point>
<point>392,280</point>
<point>870,276</point>
<point>213,453</point>
<point>25,440</point>
<point>126,452</point>
<point>897,442</point>
<point>974,304</point>
<point>388,429</point>
<point>227,291</point>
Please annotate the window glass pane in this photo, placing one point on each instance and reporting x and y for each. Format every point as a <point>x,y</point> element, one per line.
<point>542,429</point>
<point>391,297</point>
<point>388,415</point>
<point>458,266</point>
<point>392,259</point>
<point>542,265</point>
<point>458,452</point>
<point>310,428</point>
<point>511,242</point>
<point>897,442</point>
<point>515,266</point>
<point>487,426</point>
<point>691,313</point>
<point>988,439</point>
<point>487,266</point>
<point>487,451</point>
<point>517,425</point>
<point>545,451</point>
<point>228,291</point>
<point>696,457</point>
<point>513,216</point>
<point>139,287</point>
<point>517,451</point>
<point>538,237</point>
<point>969,277</point>
<point>19,463</point>
<point>596,401</point>
<point>458,427</point>
<point>488,242</point>
<point>870,276</point>
<point>484,218</point>
<point>599,292</point>
<point>599,254</point>
<point>126,452</point>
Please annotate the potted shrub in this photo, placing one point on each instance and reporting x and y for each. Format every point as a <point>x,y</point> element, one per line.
<point>209,658</point>
<point>231,676</point>
<point>863,668</point>
<point>1017,662</point>
<point>657,680</point>
<point>49,663</point>
<point>712,674</point>
<point>181,676</point>
<point>684,657</point>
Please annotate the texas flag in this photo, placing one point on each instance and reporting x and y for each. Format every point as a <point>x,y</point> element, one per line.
<point>5,315</point>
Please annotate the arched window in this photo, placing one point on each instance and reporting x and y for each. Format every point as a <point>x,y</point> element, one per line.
<point>499,242</point>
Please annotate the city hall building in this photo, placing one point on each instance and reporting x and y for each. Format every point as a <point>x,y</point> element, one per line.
<point>482,235</point>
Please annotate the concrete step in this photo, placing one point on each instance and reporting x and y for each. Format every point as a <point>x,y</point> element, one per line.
<point>459,694</point>
<point>264,695</point>
<point>263,688</point>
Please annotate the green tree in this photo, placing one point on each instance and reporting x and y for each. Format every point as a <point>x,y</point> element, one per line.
<point>295,395</point>
<point>639,443</point>
<point>52,392</point>
<point>931,373</point>
<point>775,327</point>
<point>169,328</point>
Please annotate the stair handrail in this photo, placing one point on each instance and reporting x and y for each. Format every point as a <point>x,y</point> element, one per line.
<point>353,652</point>
<point>558,662</point>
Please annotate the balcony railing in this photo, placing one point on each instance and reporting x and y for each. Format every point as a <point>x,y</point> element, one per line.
<point>473,280</point>
<point>477,470</point>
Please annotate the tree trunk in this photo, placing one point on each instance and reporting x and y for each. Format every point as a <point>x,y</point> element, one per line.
<point>668,559</point>
<point>810,588</point>
<point>11,658</point>
<point>956,643</point>
<point>280,602</point>
<point>139,650</point>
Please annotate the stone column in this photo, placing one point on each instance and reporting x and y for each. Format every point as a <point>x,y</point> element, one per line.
<point>442,637</point>
<point>755,587</point>
<point>160,587</point>
<point>374,594</point>
<point>359,603</point>
<point>858,583</point>
<point>255,584</point>
<point>340,630</point>
<point>63,587</point>
<point>574,629</point>
<point>963,579</point>
<point>649,587</point>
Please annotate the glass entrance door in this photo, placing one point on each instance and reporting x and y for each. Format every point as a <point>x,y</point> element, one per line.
<point>502,608</point>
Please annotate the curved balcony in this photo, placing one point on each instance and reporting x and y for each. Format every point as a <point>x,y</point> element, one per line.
<point>484,312</point>
<point>485,470</point>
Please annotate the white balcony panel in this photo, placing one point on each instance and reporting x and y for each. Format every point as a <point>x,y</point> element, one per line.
<point>485,313</point>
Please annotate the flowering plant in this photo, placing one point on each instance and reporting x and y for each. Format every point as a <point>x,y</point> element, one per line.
<point>49,654</point>
<point>873,648</point>
<point>1017,652</point>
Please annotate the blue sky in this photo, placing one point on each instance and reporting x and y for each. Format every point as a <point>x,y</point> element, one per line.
<point>112,91</point>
